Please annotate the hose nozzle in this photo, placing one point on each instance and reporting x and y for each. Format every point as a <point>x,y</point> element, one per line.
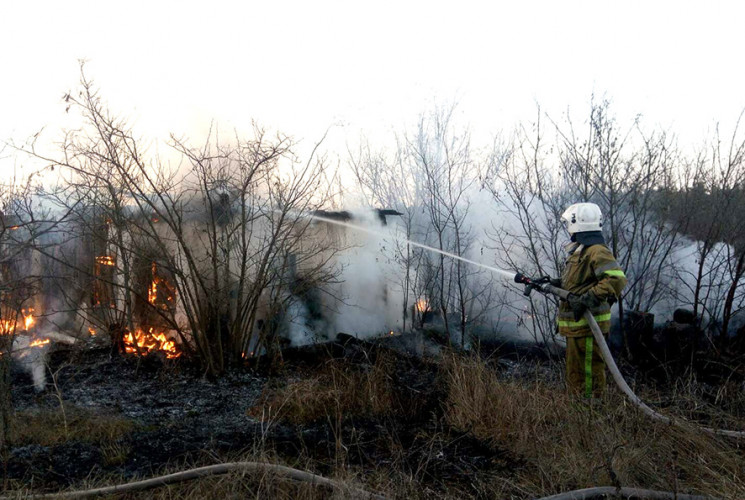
<point>531,283</point>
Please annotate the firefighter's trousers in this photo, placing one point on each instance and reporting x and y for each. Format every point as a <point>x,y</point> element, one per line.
<point>585,370</point>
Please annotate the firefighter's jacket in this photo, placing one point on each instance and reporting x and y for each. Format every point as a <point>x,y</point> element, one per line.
<point>590,269</point>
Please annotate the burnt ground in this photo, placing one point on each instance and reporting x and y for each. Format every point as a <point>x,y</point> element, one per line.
<point>178,419</point>
<point>175,415</point>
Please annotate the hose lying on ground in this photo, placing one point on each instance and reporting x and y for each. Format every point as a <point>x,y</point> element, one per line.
<point>621,382</point>
<point>210,470</point>
<point>308,477</point>
<point>627,493</point>
<point>303,476</point>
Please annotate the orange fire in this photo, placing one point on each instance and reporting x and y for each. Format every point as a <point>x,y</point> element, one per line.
<point>28,318</point>
<point>160,293</point>
<point>39,343</point>
<point>145,343</point>
<point>106,260</point>
<point>422,305</point>
<point>152,292</point>
<point>7,327</point>
<point>92,331</point>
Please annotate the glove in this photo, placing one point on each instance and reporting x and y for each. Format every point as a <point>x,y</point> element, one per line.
<point>555,282</point>
<point>581,303</point>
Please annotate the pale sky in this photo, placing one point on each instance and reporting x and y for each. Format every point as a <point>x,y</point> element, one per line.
<point>302,66</point>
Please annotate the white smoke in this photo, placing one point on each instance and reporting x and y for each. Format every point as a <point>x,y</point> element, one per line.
<point>32,359</point>
<point>370,300</point>
<point>299,327</point>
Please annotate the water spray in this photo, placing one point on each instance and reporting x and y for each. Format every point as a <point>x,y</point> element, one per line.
<point>542,285</point>
<point>505,274</point>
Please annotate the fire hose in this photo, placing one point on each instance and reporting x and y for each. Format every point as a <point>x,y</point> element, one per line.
<point>303,476</point>
<point>210,470</point>
<point>545,288</point>
<point>298,475</point>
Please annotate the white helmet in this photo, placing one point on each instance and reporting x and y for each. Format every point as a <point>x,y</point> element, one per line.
<point>582,217</point>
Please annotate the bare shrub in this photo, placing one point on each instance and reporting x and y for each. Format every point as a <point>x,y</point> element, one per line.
<point>228,229</point>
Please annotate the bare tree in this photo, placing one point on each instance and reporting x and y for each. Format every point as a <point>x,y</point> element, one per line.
<point>706,200</point>
<point>528,234</point>
<point>388,181</point>
<point>442,156</point>
<point>20,224</point>
<point>223,230</point>
<point>622,170</point>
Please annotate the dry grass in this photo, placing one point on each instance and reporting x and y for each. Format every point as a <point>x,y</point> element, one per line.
<point>547,441</point>
<point>230,486</point>
<point>566,444</point>
<point>338,389</point>
<point>50,427</point>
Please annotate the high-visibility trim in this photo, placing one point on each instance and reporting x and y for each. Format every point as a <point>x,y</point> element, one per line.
<point>607,267</point>
<point>588,367</point>
<point>615,272</point>
<point>583,322</point>
<point>595,311</point>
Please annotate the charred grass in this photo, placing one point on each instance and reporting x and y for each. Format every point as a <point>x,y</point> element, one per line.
<point>51,427</point>
<point>405,427</point>
<point>532,438</point>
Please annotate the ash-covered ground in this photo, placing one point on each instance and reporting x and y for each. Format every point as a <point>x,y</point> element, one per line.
<point>175,415</point>
<point>176,418</point>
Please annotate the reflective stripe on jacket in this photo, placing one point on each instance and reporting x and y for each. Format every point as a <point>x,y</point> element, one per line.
<point>590,269</point>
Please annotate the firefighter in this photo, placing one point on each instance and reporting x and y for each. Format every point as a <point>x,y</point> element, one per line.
<point>595,281</point>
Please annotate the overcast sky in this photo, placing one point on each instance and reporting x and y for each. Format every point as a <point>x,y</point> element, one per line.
<point>302,66</point>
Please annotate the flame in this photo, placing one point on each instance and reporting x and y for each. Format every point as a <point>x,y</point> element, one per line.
<point>103,294</point>
<point>7,327</point>
<point>39,343</point>
<point>152,292</point>
<point>92,331</point>
<point>160,292</point>
<point>28,318</point>
<point>105,260</point>
<point>391,333</point>
<point>145,343</point>
<point>422,305</point>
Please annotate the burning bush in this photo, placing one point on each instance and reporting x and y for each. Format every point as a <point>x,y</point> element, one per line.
<point>103,286</point>
<point>143,343</point>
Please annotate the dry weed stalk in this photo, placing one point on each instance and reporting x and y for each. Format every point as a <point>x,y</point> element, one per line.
<point>337,391</point>
<point>568,444</point>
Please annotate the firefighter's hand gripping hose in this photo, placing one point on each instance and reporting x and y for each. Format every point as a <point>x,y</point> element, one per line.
<point>542,285</point>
